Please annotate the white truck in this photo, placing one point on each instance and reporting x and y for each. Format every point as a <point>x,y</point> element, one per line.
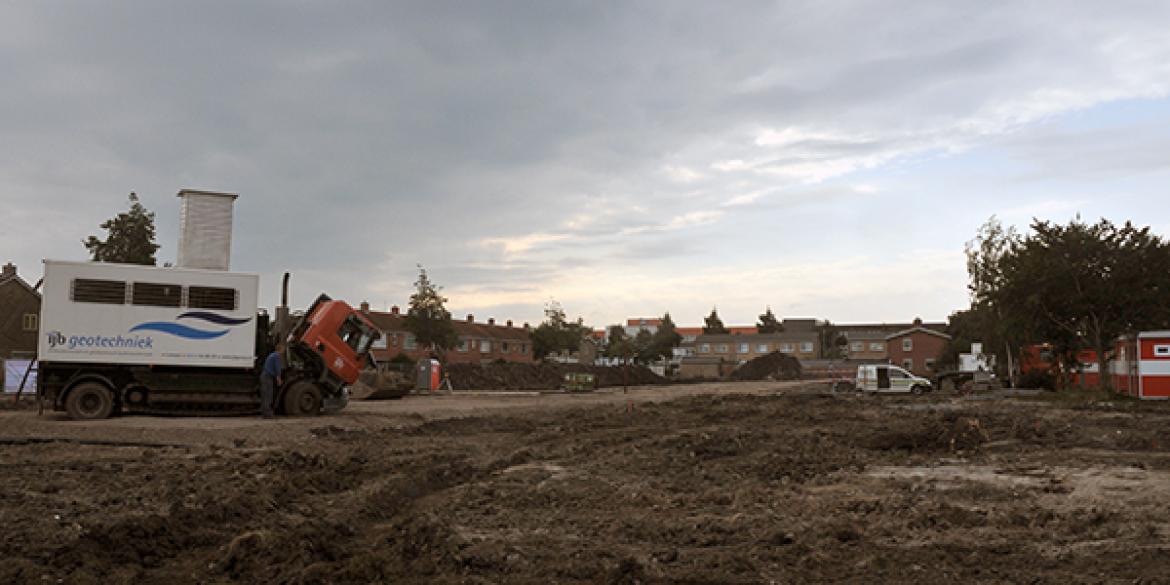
<point>122,336</point>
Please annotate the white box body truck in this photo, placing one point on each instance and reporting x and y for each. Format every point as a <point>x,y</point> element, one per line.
<point>127,314</point>
<point>118,337</point>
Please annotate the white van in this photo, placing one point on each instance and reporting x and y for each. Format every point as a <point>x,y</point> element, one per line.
<point>887,378</point>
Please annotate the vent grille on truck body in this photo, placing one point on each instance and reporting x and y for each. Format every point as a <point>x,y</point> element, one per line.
<point>154,294</point>
<point>89,290</point>
<point>208,297</point>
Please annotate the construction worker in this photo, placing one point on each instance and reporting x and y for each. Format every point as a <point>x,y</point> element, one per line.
<point>270,380</point>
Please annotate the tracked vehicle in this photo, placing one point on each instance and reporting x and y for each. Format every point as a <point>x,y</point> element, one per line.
<point>126,338</point>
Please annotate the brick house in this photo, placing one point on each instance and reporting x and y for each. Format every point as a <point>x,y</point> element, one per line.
<point>916,348</point>
<point>20,309</point>
<point>868,341</point>
<point>478,342</point>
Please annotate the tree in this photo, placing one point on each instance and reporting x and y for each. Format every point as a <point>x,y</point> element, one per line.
<point>644,350</point>
<point>666,338</point>
<point>428,318</point>
<point>1083,285</point>
<point>768,323</point>
<point>618,344</point>
<point>985,320</point>
<point>557,334</point>
<point>833,342</point>
<point>129,237</point>
<point>712,324</point>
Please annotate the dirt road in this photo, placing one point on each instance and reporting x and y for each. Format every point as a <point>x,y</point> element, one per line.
<point>364,415</point>
<point>731,484</point>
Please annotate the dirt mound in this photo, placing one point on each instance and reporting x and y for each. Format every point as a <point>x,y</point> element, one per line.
<point>542,376</point>
<point>373,385</point>
<point>774,366</point>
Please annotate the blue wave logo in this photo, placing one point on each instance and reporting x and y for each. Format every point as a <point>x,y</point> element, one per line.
<point>213,318</point>
<point>188,332</point>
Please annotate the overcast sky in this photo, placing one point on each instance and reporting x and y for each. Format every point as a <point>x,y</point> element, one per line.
<point>828,159</point>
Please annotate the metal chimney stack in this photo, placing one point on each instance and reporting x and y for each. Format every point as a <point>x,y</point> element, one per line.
<point>205,229</point>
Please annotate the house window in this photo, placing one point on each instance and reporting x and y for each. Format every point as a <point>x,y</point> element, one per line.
<point>705,348</point>
<point>110,292</point>
<point>744,347</point>
<point>30,322</point>
<point>524,348</point>
<point>485,346</point>
<point>877,346</point>
<point>762,348</point>
<point>786,347</point>
<point>153,294</point>
<point>462,346</point>
<point>930,364</point>
<point>393,339</point>
<point>806,347</point>
<point>857,346</point>
<point>504,346</point>
<point>907,344</point>
<point>410,342</point>
<point>1159,350</point>
<point>908,364</point>
<point>721,348</point>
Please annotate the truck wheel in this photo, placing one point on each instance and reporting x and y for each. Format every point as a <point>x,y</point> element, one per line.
<point>917,389</point>
<point>89,401</point>
<point>303,399</point>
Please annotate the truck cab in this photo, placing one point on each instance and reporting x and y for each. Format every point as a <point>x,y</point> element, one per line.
<point>888,378</point>
<point>331,343</point>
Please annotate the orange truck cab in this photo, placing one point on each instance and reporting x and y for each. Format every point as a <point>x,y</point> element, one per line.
<point>328,349</point>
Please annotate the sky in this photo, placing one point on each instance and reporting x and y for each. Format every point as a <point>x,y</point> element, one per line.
<point>824,159</point>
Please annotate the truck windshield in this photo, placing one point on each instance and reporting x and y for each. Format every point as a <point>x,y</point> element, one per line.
<point>356,335</point>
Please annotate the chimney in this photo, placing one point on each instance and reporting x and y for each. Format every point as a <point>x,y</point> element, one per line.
<point>470,318</point>
<point>394,310</point>
<point>509,323</point>
<point>205,229</point>
<point>365,308</point>
<point>9,270</point>
<point>526,326</point>
<point>918,321</point>
<point>491,320</point>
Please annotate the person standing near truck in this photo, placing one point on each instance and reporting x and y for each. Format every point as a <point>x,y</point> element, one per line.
<point>270,380</point>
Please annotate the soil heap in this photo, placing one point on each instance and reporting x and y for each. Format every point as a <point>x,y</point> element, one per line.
<point>543,376</point>
<point>774,366</point>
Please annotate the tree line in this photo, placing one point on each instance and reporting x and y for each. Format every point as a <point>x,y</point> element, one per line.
<point>1076,286</point>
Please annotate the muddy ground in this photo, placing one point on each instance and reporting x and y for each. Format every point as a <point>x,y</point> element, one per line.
<point>783,484</point>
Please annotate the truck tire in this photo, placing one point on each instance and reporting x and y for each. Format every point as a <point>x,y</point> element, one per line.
<point>89,401</point>
<point>303,399</point>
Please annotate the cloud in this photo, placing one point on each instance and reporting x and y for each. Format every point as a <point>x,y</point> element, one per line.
<point>366,140</point>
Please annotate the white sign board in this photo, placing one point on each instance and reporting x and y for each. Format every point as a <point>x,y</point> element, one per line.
<point>14,372</point>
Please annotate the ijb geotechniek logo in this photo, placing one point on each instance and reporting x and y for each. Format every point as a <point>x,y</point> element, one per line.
<point>56,338</point>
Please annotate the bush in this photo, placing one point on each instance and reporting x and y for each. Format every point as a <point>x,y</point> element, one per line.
<point>1037,379</point>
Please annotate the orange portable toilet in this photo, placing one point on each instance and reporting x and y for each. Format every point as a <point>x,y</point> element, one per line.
<point>428,375</point>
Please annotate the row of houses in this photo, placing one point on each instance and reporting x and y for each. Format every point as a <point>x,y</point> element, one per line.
<point>478,342</point>
<point>914,345</point>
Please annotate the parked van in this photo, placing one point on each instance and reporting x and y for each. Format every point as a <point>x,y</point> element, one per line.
<point>887,378</point>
